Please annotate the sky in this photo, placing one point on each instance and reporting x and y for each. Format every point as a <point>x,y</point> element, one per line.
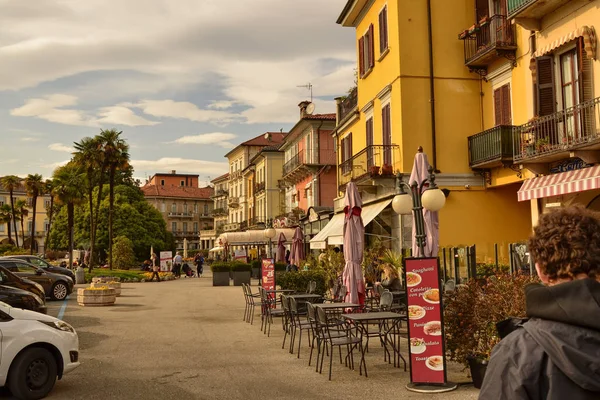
<point>185,81</point>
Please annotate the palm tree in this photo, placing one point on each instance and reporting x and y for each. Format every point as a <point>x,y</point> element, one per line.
<point>22,213</point>
<point>33,184</point>
<point>48,188</point>
<point>6,218</point>
<point>89,156</point>
<point>10,183</point>
<point>116,157</point>
<point>67,189</point>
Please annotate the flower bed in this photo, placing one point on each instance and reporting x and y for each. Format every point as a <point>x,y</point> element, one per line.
<point>110,285</point>
<point>164,276</point>
<point>97,296</point>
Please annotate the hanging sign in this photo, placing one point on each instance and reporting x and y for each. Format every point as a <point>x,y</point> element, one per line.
<point>166,261</point>
<point>425,322</point>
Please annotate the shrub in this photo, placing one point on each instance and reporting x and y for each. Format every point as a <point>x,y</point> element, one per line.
<point>16,252</point>
<point>298,281</point>
<point>487,270</point>
<point>123,255</point>
<point>5,248</point>
<point>220,267</point>
<point>256,264</point>
<point>472,311</point>
<point>279,266</point>
<point>52,255</point>
<point>240,267</point>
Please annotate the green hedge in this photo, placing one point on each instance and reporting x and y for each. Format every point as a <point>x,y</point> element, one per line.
<point>487,270</point>
<point>256,264</point>
<point>299,281</point>
<point>240,267</point>
<point>220,267</point>
<point>279,266</point>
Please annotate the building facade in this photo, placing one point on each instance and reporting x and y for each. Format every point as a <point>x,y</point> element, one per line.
<point>269,198</point>
<point>186,208</point>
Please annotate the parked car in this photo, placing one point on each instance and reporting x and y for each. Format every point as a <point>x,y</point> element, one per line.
<point>45,265</point>
<point>56,286</point>
<point>20,298</point>
<point>7,278</point>
<point>36,350</point>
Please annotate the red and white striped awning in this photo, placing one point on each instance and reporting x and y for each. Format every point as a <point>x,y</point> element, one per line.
<point>562,183</point>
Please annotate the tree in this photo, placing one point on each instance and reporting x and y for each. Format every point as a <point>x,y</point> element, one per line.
<point>22,213</point>
<point>34,186</point>
<point>90,157</point>
<point>116,153</point>
<point>6,218</point>
<point>68,185</point>
<point>123,253</point>
<point>48,188</point>
<point>10,183</point>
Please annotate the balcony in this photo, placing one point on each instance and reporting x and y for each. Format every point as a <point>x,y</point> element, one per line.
<point>259,187</point>
<point>233,202</point>
<point>181,215</point>
<point>204,215</point>
<point>489,40</point>
<point>219,193</point>
<point>235,175</point>
<point>231,227</point>
<point>492,148</point>
<point>208,233</point>
<point>348,105</point>
<point>256,222</point>
<point>533,9</point>
<point>219,212</point>
<point>306,162</point>
<point>186,234</point>
<point>373,162</point>
<point>573,132</point>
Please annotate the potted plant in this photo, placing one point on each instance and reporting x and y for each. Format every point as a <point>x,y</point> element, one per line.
<point>463,35</point>
<point>241,273</point>
<point>220,272</point>
<point>542,145</point>
<point>387,169</point>
<point>374,170</point>
<point>472,312</point>
<point>484,20</point>
<point>256,269</point>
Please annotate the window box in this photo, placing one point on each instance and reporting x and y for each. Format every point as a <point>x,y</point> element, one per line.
<point>387,169</point>
<point>374,170</point>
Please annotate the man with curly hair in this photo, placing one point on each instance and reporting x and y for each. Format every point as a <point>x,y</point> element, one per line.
<point>555,354</point>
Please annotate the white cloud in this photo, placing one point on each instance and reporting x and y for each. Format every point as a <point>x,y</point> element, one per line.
<point>183,165</point>
<point>29,139</point>
<point>55,165</point>
<point>51,108</point>
<point>221,104</point>
<point>185,110</point>
<point>61,147</point>
<point>120,115</point>
<point>217,138</point>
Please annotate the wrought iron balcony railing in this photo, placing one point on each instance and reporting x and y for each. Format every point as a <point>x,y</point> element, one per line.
<point>574,128</point>
<point>254,221</point>
<point>181,215</point>
<point>493,147</point>
<point>490,39</point>
<point>372,162</point>
<point>220,211</point>
<point>259,187</point>
<point>233,202</point>
<point>348,104</point>
<point>309,157</point>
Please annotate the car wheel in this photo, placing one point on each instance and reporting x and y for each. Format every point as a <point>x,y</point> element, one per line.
<point>32,374</point>
<point>59,291</point>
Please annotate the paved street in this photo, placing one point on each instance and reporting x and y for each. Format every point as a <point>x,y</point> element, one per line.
<point>186,340</point>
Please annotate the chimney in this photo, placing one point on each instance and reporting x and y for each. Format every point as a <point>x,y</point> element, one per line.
<point>173,172</point>
<point>303,105</point>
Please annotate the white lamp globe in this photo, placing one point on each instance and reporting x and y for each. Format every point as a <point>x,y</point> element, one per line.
<point>433,199</point>
<point>270,233</point>
<point>402,204</point>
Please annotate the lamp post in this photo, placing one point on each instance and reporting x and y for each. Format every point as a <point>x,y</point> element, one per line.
<point>433,199</point>
<point>269,233</point>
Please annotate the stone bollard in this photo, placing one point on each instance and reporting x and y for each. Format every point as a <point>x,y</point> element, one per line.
<point>80,275</point>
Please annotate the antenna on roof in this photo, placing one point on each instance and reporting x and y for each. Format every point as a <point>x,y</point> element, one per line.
<point>308,86</point>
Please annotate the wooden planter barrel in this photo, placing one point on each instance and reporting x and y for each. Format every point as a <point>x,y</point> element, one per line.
<point>96,298</point>
<point>112,285</point>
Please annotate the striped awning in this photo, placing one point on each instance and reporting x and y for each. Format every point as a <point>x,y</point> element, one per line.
<point>562,183</point>
<point>589,43</point>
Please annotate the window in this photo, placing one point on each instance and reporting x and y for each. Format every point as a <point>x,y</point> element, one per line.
<point>173,226</point>
<point>29,226</point>
<point>181,183</point>
<point>46,204</point>
<point>206,209</point>
<point>2,227</point>
<point>347,154</point>
<point>386,130</point>
<point>163,207</point>
<point>195,227</point>
<point>2,200</point>
<point>383,31</point>
<point>366,59</point>
<point>174,208</point>
<point>46,226</point>
<point>24,268</point>
<point>185,227</point>
<point>185,209</point>
<point>196,208</point>
<point>162,182</point>
<point>370,152</point>
<point>502,105</point>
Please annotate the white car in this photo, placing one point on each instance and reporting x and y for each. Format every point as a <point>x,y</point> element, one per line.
<point>36,349</point>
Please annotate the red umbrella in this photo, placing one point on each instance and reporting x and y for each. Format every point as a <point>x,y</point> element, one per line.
<point>354,233</point>
<point>297,253</point>
<point>281,248</point>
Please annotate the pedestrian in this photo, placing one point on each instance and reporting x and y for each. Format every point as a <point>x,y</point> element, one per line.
<point>177,260</point>
<point>555,354</point>
<point>199,261</point>
<point>155,269</point>
<point>287,257</point>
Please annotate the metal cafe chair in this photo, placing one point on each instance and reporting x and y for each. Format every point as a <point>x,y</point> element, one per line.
<point>298,324</point>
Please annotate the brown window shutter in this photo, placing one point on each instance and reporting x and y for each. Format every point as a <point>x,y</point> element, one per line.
<point>586,84</point>
<point>498,106</point>
<point>370,132</point>
<point>361,56</point>
<point>383,40</point>
<point>385,24</point>
<point>371,45</point>
<point>350,145</point>
<point>506,113</point>
<point>545,86</point>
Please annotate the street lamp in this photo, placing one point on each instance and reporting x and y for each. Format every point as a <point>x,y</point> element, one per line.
<point>433,199</point>
<point>270,234</point>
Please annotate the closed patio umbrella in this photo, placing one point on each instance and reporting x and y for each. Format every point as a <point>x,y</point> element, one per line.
<point>185,246</point>
<point>419,174</point>
<point>354,233</point>
<point>281,248</point>
<point>297,253</point>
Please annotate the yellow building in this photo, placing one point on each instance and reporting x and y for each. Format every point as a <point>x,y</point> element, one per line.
<point>267,191</point>
<point>541,111</point>
<point>41,219</point>
<point>413,90</point>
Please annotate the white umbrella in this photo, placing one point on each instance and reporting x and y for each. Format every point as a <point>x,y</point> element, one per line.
<point>185,246</point>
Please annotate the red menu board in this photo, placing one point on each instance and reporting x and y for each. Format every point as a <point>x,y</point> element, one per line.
<point>425,323</point>
<point>268,274</point>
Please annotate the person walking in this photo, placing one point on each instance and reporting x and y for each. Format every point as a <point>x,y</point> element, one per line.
<point>155,269</point>
<point>199,260</point>
<point>555,354</point>
<point>177,261</point>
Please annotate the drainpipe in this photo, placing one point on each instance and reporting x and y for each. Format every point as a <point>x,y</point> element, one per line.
<point>432,87</point>
<point>317,196</point>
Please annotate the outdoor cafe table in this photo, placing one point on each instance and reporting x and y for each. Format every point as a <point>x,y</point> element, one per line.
<point>280,291</point>
<point>334,308</point>
<point>362,321</point>
<point>305,296</point>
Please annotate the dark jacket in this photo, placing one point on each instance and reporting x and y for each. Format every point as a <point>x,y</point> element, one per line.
<point>556,354</point>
